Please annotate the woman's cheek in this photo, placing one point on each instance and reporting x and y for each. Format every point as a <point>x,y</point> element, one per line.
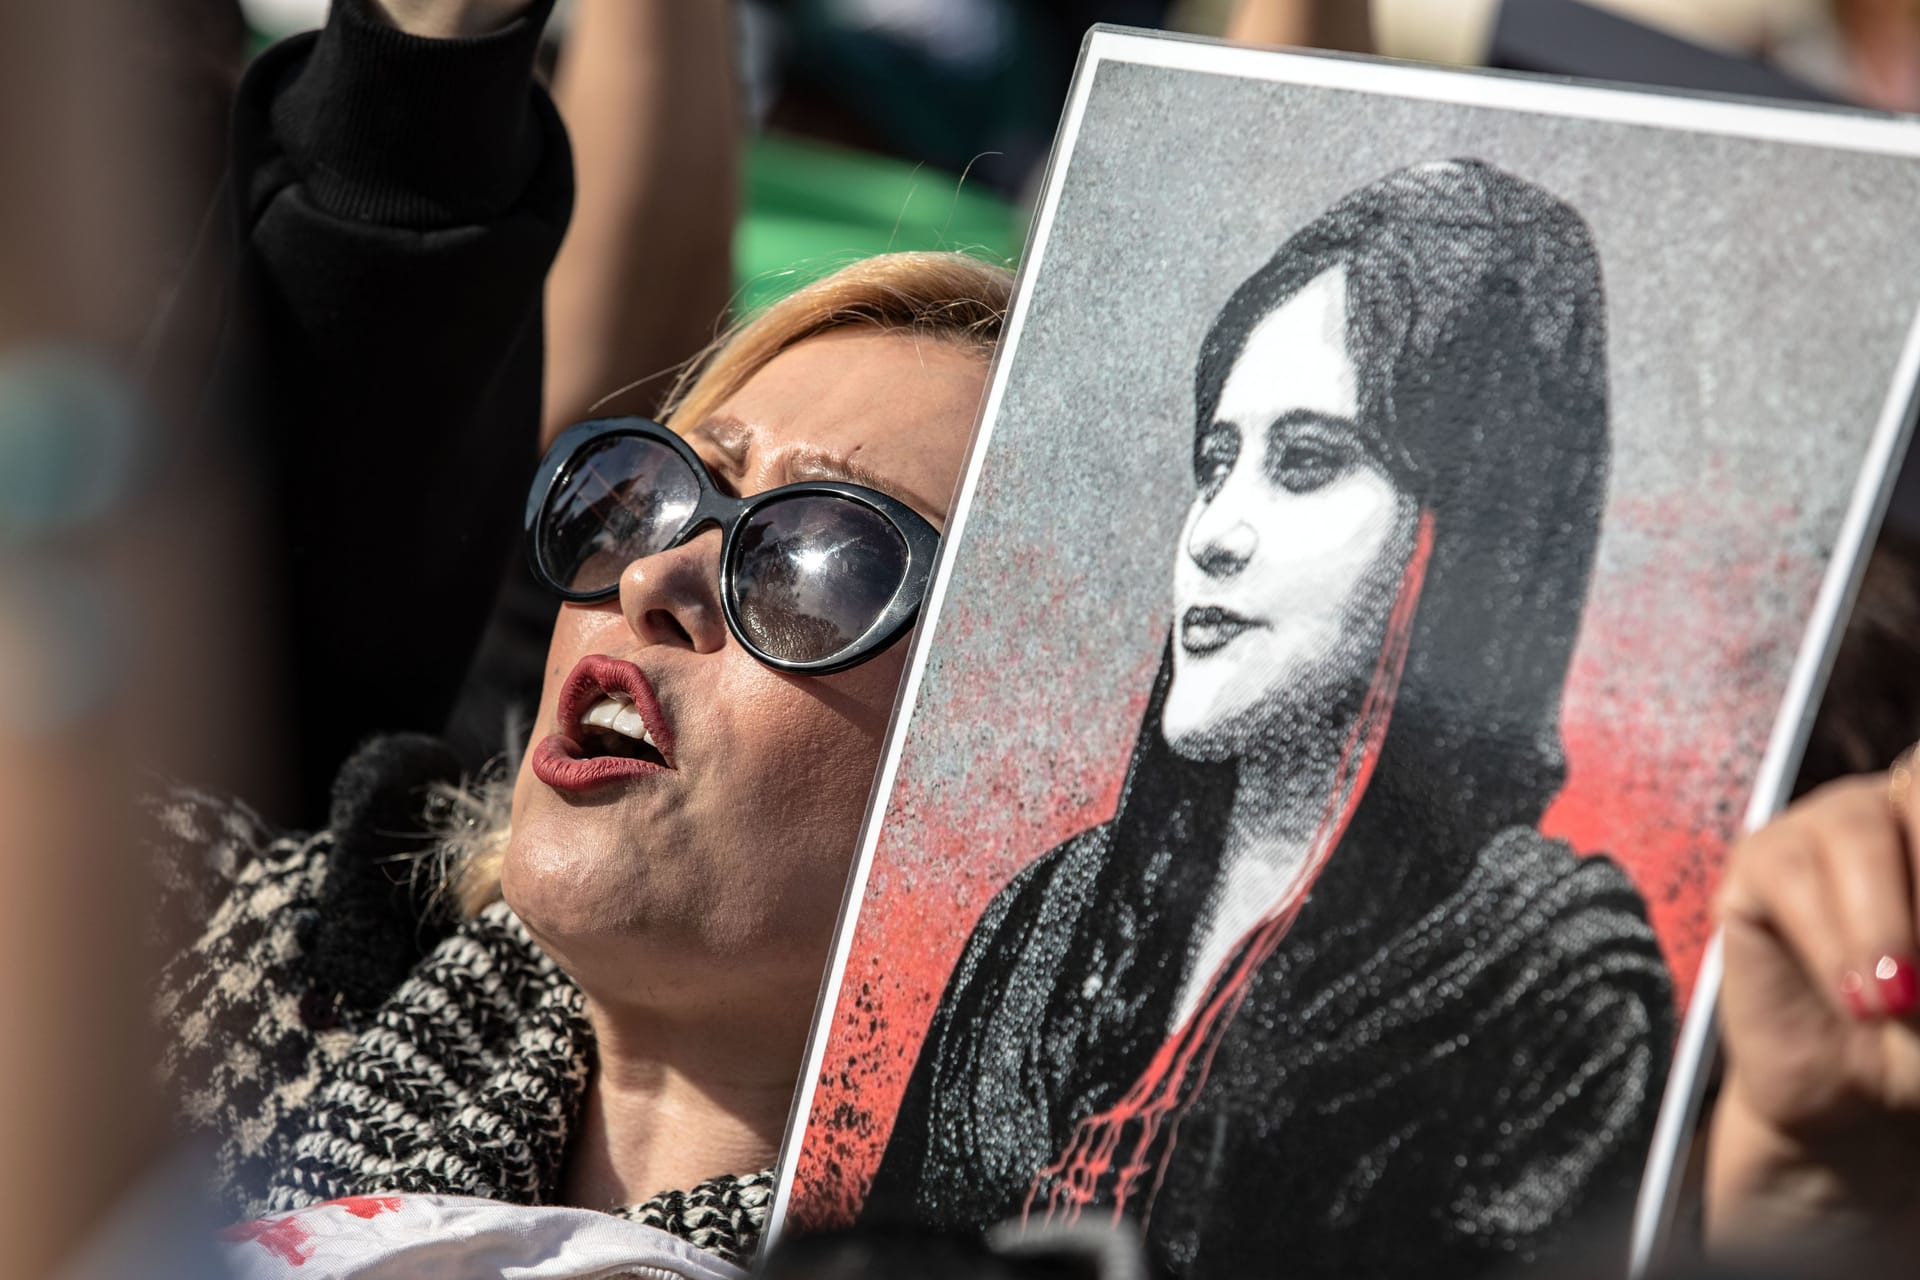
<point>816,740</point>
<point>1346,519</point>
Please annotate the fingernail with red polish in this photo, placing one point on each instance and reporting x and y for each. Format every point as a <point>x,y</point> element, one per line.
<point>1899,985</point>
<point>1853,989</point>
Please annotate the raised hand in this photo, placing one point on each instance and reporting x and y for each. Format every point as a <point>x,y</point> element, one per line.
<point>1818,1128</point>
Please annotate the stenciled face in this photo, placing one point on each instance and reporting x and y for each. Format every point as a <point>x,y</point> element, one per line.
<point>1291,554</point>
<point>719,878</point>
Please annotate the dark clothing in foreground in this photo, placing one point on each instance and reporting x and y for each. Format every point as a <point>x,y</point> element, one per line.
<point>398,202</point>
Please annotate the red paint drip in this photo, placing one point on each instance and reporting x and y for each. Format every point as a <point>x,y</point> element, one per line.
<point>283,1237</point>
<point>1094,1166</point>
<point>364,1206</point>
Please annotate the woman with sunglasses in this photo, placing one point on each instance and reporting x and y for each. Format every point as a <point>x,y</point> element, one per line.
<point>595,988</point>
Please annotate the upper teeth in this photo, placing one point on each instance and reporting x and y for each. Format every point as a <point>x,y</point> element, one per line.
<point>619,716</point>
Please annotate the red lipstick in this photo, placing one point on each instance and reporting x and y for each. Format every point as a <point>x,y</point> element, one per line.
<point>563,763</point>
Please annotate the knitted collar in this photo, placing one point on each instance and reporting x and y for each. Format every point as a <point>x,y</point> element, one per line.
<point>467,1082</point>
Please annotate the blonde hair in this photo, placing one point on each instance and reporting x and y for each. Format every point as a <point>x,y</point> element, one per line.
<point>950,297</point>
<point>940,295</point>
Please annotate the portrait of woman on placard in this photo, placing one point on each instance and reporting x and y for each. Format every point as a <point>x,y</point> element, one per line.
<point>1320,995</point>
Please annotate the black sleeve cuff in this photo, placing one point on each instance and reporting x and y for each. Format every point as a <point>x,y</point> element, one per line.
<point>400,130</point>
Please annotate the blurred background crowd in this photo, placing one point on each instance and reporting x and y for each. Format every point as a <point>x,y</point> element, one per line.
<point>843,102</point>
<point>725,153</point>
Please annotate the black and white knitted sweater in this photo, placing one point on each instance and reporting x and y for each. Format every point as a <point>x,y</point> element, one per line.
<point>332,1037</point>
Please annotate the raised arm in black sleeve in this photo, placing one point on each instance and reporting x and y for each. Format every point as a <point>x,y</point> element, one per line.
<point>399,201</point>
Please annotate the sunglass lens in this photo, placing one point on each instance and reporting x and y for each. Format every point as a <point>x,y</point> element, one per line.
<point>622,497</point>
<point>813,573</point>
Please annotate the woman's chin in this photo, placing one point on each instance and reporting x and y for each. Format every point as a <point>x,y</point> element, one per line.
<point>1205,742</point>
<point>567,888</point>
<point>1202,722</point>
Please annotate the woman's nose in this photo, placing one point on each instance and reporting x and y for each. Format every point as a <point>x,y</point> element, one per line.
<point>1221,543</point>
<point>673,598</point>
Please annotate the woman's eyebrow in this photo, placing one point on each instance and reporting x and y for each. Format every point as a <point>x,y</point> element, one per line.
<point>729,437</point>
<point>732,439</point>
<point>1294,420</point>
<point>809,463</point>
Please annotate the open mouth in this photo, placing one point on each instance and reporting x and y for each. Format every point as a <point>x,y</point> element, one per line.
<point>610,729</point>
<point>613,726</point>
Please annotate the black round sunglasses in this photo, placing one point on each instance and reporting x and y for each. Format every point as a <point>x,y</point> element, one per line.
<point>814,577</point>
